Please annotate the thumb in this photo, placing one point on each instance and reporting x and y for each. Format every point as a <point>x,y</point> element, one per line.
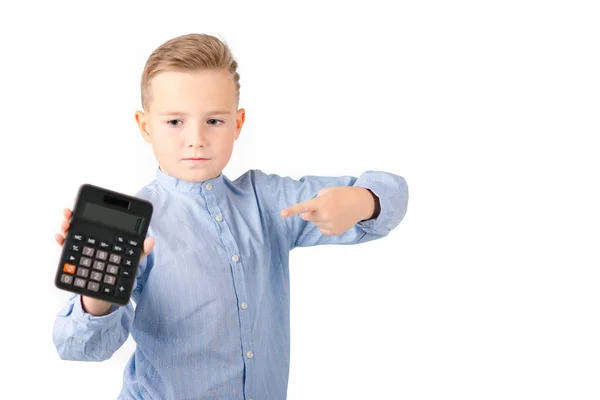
<point>148,246</point>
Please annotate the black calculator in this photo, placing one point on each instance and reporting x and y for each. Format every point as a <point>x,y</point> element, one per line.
<point>103,245</point>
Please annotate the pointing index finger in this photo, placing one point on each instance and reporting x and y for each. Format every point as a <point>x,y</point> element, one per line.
<point>301,208</point>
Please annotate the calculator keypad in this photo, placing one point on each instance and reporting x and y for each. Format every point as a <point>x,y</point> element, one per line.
<point>100,266</point>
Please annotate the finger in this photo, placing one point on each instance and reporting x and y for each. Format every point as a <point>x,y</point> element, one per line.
<point>301,208</point>
<point>311,216</point>
<point>323,225</point>
<point>148,246</point>
<point>326,232</point>
<point>64,227</point>
<point>59,239</point>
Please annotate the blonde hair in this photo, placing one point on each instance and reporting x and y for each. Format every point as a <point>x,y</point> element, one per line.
<point>185,53</point>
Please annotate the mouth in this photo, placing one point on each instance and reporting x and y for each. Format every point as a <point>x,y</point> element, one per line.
<point>195,159</point>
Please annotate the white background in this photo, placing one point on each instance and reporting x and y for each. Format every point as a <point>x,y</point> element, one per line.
<point>488,289</point>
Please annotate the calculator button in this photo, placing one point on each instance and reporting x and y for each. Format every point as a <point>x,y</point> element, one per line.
<point>99,265</point>
<point>104,245</point>
<point>122,289</point>
<point>97,276</point>
<point>69,268</point>
<point>126,273</point>
<point>79,282</point>
<point>112,269</point>
<point>130,252</point>
<point>108,290</point>
<point>91,241</point>
<point>88,251</point>
<point>75,247</point>
<point>102,255</point>
<point>119,239</point>
<point>115,259</point>
<point>128,262</point>
<point>83,272</point>
<point>93,286</point>
<point>86,262</point>
<point>133,243</point>
<point>78,237</point>
<point>71,258</point>
<point>110,279</point>
<point>64,278</point>
<point>118,248</point>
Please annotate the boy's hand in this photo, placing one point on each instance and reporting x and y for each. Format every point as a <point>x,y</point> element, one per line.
<point>336,209</point>
<point>90,304</point>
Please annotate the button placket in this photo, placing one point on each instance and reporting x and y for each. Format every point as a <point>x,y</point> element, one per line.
<point>235,258</point>
<point>246,334</point>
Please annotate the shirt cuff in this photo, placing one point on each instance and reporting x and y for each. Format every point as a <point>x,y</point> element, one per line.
<point>392,192</point>
<point>80,314</point>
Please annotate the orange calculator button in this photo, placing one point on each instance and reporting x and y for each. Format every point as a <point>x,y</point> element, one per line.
<point>69,268</point>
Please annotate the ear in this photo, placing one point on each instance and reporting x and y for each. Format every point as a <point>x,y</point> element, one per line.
<point>239,121</point>
<point>140,118</point>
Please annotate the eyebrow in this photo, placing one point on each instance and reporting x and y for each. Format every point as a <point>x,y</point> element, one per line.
<point>215,112</point>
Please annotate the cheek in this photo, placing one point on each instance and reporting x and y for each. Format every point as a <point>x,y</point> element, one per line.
<point>167,144</point>
<point>169,140</point>
<point>226,147</point>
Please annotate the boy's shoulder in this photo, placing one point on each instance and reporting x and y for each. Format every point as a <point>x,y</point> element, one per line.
<point>253,176</point>
<point>146,191</point>
<point>261,182</point>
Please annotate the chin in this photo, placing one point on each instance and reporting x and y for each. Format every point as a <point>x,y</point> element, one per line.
<point>200,175</point>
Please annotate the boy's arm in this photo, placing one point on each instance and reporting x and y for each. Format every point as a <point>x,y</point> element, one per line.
<point>375,206</point>
<point>81,336</point>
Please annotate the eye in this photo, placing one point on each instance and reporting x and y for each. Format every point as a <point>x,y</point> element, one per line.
<point>214,122</point>
<point>174,122</point>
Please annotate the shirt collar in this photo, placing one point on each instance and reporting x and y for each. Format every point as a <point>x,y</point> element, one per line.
<point>170,182</point>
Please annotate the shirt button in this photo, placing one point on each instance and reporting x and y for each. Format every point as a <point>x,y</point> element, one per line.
<point>249,354</point>
<point>244,305</point>
<point>208,186</point>
<point>235,258</point>
<point>219,218</point>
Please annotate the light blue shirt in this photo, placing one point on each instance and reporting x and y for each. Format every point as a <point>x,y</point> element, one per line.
<point>211,319</point>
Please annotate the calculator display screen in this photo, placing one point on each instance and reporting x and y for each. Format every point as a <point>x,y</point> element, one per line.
<point>112,218</point>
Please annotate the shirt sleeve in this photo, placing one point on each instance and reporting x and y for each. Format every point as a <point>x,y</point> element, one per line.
<point>80,336</point>
<point>282,192</point>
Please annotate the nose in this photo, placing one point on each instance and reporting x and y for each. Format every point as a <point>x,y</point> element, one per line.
<point>196,137</point>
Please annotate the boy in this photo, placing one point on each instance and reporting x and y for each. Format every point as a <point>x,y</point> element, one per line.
<point>212,291</point>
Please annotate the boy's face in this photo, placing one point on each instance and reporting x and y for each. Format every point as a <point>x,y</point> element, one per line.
<point>192,115</point>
